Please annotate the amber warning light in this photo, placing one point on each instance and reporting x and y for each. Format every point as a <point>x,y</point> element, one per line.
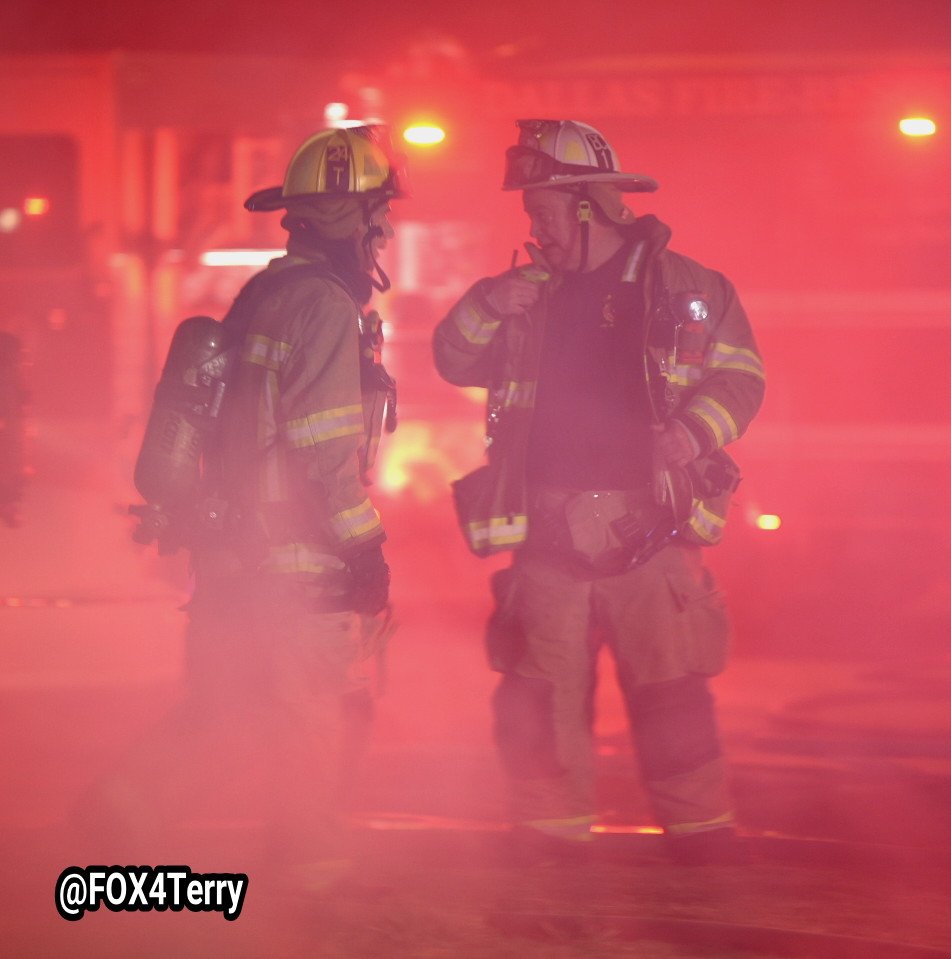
<point>424,134</point>
<point>917,127</point>
<point>36,206</point>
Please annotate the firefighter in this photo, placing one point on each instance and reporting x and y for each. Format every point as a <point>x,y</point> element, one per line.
<point>291,596</point>
<point>617,371</point>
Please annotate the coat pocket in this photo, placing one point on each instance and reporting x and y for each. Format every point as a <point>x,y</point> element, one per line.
<point>707,630</point>
<point>490,509</point>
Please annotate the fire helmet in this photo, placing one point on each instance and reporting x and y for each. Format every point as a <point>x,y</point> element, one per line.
<point>561,153</point>
<point>354,162</point>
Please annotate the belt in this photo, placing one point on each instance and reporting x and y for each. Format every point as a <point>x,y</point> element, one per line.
<point>555,497</point>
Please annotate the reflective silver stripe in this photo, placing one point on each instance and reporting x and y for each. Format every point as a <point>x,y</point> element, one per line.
<point>300,558</point>
<point>498,531</point>
<point>575,829</point>
<point>518,394</point>
<point>356,522</point>
<point>265,351</point>
<point>725,357</point>
<point>717,417</point>
<point>326,425</point>
<point>683,375</point>
<point>705,523</point>
<point>475,327</point>
<point>685,828</point>
<point>273,476</point>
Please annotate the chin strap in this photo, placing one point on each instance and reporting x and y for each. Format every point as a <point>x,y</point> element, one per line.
<point>585,215</point>
<point>383,283</point>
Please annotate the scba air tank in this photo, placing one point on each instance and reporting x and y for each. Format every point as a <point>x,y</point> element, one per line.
<point>187,402</point>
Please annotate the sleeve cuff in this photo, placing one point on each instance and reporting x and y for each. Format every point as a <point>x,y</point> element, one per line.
<point>699,437</point>
<point>480,294</point>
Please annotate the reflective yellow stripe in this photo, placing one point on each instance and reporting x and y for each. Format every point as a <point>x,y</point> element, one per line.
<point>474,326</point>
<point>326,425</point>
<point>498,531</point>
<point>356,522</point>
<point>717,417</point>
<point>705,523</point>
<point>726,357</point>
<point>683,828</point>
<point>272,475</point>
<point>576,828</point>
<point>683,375</point>
<point>265,351</point>
<point>300,558</point>
<point>518,394</point>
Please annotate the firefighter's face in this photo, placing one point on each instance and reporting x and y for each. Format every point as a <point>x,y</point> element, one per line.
<point>380,231</point>
<point>554,225</point>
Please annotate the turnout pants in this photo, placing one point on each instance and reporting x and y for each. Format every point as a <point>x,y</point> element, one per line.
<point>276,710</point>
<point>667,628</point>
<point>295,681</point>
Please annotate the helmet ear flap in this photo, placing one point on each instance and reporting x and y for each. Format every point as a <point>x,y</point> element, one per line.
<point>330,217</point>
<point>608,200</point>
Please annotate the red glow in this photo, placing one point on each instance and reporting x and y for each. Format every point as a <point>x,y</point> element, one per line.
<point>780,168</point>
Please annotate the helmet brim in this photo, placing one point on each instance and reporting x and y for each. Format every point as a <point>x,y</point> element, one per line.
<point>625,182</point>
<point>527,169</point>
<point>266,200</point>
<point>272,198</point>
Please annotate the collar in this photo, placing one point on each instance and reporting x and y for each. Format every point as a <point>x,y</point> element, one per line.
<point>338,257</point>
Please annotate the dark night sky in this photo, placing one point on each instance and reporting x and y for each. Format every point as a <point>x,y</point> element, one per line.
<point>535,29</point>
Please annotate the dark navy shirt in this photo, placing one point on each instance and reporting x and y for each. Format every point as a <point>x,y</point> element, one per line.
<point>591,425</point>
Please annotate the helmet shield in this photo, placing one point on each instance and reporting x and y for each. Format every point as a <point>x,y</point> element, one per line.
<point>527,167</point>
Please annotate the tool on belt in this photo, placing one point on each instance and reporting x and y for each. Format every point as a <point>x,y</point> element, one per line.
<point>603,531</point>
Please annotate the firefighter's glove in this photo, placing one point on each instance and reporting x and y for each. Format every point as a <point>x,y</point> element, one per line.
<point>674,444</point>
<point>370,581</point>
<point>509,294</point>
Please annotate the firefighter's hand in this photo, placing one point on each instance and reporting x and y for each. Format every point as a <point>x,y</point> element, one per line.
<point>674,445</point>
<point>370,581</point>
<point>511,293</point>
